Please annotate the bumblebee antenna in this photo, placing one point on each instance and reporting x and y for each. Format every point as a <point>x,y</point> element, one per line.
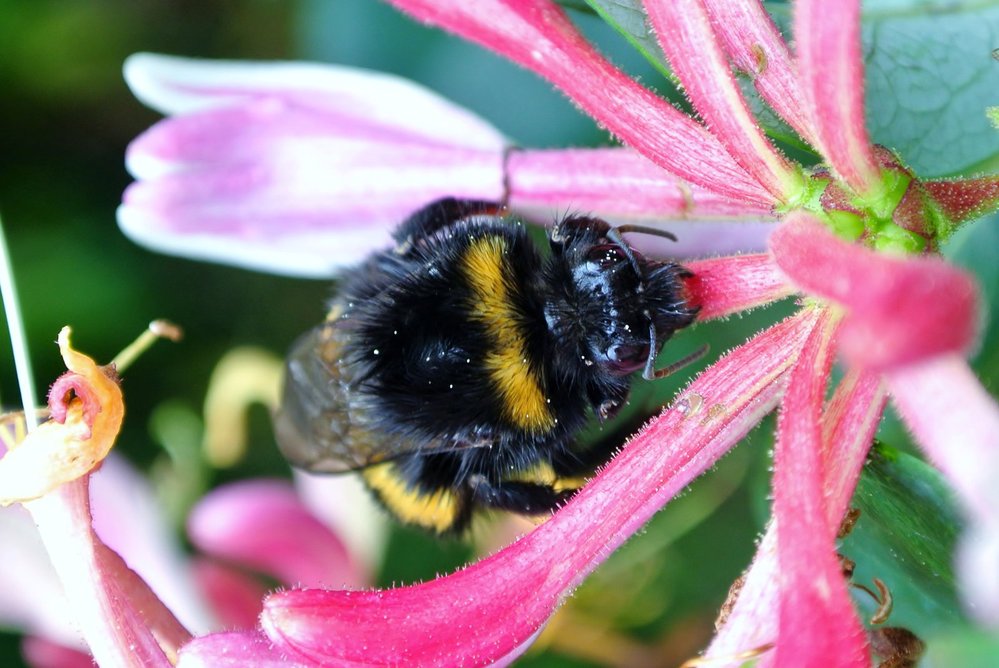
<point>652,373</point>
<point>642,229</point>
<point>614,234</point>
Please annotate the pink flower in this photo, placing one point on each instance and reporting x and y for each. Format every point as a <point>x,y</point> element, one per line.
<point>124,584</point>
<point>301,169</point>
<point>121,619</point>
<point>857,239</point>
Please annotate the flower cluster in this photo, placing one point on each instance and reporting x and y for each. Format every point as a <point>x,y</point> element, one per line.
<point>281,167</point>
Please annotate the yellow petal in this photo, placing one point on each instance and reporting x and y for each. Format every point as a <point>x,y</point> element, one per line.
<point>87,408</point>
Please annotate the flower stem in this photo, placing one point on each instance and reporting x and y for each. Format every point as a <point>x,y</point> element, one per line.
<point>18,342</point>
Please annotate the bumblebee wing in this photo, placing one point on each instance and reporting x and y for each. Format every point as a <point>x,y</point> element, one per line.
<point>322,424</point>
<point>313,424</point>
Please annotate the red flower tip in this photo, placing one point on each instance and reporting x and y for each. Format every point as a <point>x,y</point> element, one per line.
<point>722,286</point>
<point>965,200</point>
<point>899,309</point>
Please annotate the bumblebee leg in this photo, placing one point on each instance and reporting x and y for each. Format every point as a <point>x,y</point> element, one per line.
<point>525,498</point>
<point>607,399</point>
<point>572,463</point>
<point>438,215</point>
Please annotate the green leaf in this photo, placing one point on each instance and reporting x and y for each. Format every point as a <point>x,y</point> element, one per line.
<point>905,537</point>
<point>416,556</point>
<point>930,78</point>
<point>968,649</point>
<point>628,18</point>
<point>774,126</point>
<point>973,247</point>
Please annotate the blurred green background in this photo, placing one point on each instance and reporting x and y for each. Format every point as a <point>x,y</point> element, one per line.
<point>65,121</point>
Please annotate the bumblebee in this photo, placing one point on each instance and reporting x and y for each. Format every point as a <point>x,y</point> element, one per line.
<point>455,370</point>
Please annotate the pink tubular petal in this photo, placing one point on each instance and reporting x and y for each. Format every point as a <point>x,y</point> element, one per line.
<point>956,422</point>
<point>175,85</point>
<point>752,623</point>
<point>848,427</point>
<point>235,596</point>
<point>236,650</point>
<point>898,309</point>
<point>726,285</point>
<point>262,524</point>
<point>319,254</point>
<point>302,176</point>
<point>705,238</point>
<point>280,188</point>
<point>818,626</point>
<point>43,653</point>
<point>486,611</point>
<point>31,597</point>
<point>620,185</point>
<point>827,35</point>
<point>123,621</point>
<point>613,183</point>
<point>344,504</point>
<point>129,520</point>
<point>750,38</point>
<point>284,132</point>
<point>689,42</point>
<point>537,35</point>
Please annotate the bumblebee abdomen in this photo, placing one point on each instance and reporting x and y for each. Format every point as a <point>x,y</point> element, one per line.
<point>450,340</point>
<point>440,509</point>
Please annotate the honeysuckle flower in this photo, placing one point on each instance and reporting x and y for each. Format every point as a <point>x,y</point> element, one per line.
<point>99,524</point>
<point>127,519</point>
<point>263,524</point>
<point>301,168</point>
<point>122,620</point>
<point>857,238</point>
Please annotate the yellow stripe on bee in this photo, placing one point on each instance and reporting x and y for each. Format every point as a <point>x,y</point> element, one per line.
<point>519,387</point>
<point>542,473</point>
<point>437,510</point>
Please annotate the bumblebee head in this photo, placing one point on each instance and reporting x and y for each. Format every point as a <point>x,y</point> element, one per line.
<point>621,306</point>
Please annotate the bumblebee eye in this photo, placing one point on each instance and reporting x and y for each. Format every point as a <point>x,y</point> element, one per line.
<point>606,255</point>
<point>611,255</point>
<point>625,358</point>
